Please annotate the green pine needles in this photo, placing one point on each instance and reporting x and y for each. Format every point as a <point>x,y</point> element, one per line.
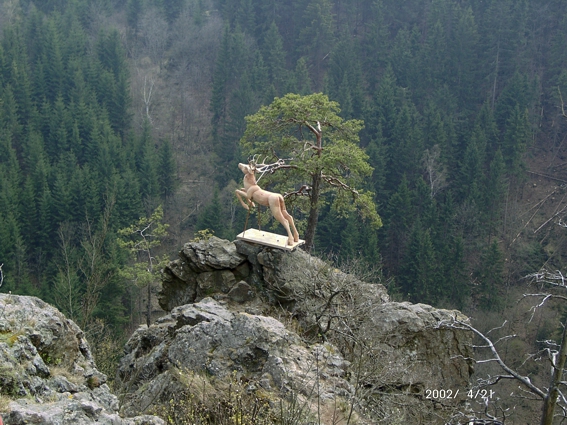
<point>324,162</point>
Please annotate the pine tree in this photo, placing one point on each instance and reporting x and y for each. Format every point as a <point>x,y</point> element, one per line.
<point>381,117</point>
<point>405,147</point>
<point>274,58</point>
<point>61,199</point>
<point>9,119</point>
<point>52,60</point>
<point>403,56</point>
<point>212,217</point>
<point>302,79</point>
<point>453,276</point>
<point>418,272</point>
<point>221,75</point>
<point>375,46</point>
<point>377,159</point>
<point>167,170</point>
<point>516,139</point>
<point>324,151</point>
<point>399,219</point>
<point>464,58</point>
<point>114,81</point>
<point>471,170</point>
<point>134,10</point>
<point>490,275</point>
<point>345,79</point>
<point>495,192</point>
<point>316,37</point>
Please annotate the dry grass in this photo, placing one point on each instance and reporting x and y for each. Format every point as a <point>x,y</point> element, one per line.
<point>207,401</point>
<point>4,404</point>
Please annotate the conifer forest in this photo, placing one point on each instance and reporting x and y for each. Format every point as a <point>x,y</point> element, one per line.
<point>115,111</point>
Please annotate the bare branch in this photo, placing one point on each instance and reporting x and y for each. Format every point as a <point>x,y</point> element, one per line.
<point>1,274</point>
<point>562,103</point>
<point>271,168</point>
<point>147,92</point>
<point>498,327</point>
<point>304,190</point>
<point>334,181</point>
<point>555,278</point>
<point>511,373</point>
<point>436,172</point>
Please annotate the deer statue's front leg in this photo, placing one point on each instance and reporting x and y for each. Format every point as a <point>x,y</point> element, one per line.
<point>239,194</point>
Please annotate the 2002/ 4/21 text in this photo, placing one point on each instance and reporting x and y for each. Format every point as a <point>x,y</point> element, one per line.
<point>451,394</point>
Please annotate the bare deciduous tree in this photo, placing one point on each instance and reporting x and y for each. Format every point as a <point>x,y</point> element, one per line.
<point>552,395</point>
<point>435,170</point>
<point>93,264</point>
<point>154,32</point>
<point>66,289</point>
<point>147,92</point>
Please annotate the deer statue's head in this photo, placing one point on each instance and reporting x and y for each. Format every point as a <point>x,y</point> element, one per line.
<point>249,168</point>
<point>246,168</point>
<point>252,167</point>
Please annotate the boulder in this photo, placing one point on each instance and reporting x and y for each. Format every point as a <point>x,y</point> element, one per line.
<point>179,285</point>
<point>211,254</point>
<point>208,338</point>
<point>206,268</point>
<point>203,269</point>
<point>419,353</point>
<point>47,369</point>
<point>241,292</point>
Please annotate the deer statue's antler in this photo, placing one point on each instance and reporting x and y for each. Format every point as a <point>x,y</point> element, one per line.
<point>252,162</point>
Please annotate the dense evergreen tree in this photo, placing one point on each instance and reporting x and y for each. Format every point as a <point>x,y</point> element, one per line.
<point>490,276</point>
<point>445,88</point>
<point>418,277</point>
<point>316,38</point>
<point>398,225</point>
<point>210,218</point>
<point>274,58</point>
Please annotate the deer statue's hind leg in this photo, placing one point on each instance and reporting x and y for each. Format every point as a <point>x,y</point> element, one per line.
<point>289,218</point>
<point>274,203</point>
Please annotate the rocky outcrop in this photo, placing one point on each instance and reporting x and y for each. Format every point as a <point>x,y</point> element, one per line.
<point>237,271</point>
<point>402,348</point>
<point>209,338</point>
<point>47,370</point>
<point>250,328</point>
<point>204,268</point>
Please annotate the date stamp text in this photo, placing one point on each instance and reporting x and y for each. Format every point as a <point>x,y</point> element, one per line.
<point>448,394</point>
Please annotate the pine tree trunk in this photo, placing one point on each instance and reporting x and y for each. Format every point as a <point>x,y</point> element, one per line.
<point>313,212</point>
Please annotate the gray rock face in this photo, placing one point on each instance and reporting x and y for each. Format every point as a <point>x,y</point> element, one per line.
<point>406,351</point>
<point>212,254</point>
<point>220,297</point>
<point>418,353</point>
<point>216,266</point>
<point>47,368</point>
<point>241,292</point>
<point>204,268</point>
<point>207,337</point>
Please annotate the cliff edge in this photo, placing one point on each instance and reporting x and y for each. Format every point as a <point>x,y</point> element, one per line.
<point>289,330</point>
<point>47,372</point>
